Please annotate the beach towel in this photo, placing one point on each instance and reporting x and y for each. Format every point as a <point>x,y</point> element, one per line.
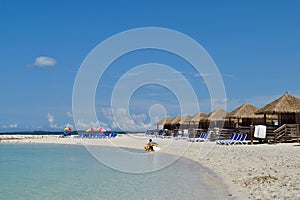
<point>260,131</point>
<point>256,130</point>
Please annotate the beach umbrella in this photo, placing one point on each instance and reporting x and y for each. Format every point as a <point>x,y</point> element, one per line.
<point>68,129</point>
<point>101,130</point>
<point>90,130</point>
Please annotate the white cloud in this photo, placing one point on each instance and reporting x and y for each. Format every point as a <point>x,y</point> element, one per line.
<point>69,114</point>
<point>122,120</point>
<point>15,125</point>
<point>83,125</point>
<point>68,125</point>
<point>50,118</point>
<point>44,61</point>
<point>51,121</point>
<point>139,118</point>
<point>107,113</point>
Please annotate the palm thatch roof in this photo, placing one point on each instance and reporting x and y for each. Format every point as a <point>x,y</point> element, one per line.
<point>185,119</point>
<point>175,120</point>
<point>285,104</point>
<point>199,117</point>
<point>217,115</point>
<point>245,111</point>
<point>163,121</point>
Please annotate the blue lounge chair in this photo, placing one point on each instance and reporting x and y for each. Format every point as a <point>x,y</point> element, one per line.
<point>243,139</point>
<point>202,137</point>
<point>235,139</point>
<point>169,136</point>
<point>226,140</point>
<point>196,138</point>
<point>232,139</point>
<point>113,135</point>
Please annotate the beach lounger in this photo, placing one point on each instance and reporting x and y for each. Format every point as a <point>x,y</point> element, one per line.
<point>202,137</point>
<point>169,136</point>
<point>240,140</point>
<point>226,140</point>
<point>181,137</point>
<point>81,135</point>
<point>236,137</point>
<point>148,132</point>
<point>196,138</point>
<point>114,135</point>
<point>184,135</point>
<point>160,135</point>
<point>102,136</point>
<point>243,139</point>
<point>234,141</point>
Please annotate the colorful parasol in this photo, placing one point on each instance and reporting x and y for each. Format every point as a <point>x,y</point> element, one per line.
<point>101,130</point>
<point>90,130</point>
<point>68,129</point>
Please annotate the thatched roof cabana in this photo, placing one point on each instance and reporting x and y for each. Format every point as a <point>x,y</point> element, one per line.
<point>175,120</point>
<point>287,108</point>
<point>283,105</point>
<point>217,115</point>
<point>247,114</point>
<point>219,118</point>
<point>173,123</point>
<point>185,119</point>
<point>184,123</point>
<point>163,121</point>
<point>245,111</point>
<point>199,121</point>
<point>199,117</point>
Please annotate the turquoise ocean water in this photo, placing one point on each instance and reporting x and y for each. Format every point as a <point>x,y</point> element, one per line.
<point>48,171</point>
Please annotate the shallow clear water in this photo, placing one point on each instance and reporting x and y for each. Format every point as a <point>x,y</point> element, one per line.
<point>41,171</point>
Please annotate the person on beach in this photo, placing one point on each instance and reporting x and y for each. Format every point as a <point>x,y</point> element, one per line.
<point>150,145</point>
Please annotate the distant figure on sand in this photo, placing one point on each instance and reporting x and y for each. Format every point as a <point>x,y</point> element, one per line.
<point>149,146</point>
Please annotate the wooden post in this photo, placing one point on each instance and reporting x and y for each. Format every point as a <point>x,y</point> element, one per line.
<point>285,133</point>
<point>298,134</point>
<point>251,134</point>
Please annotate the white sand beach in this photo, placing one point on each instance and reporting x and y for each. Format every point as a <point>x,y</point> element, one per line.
<point>261,171</point>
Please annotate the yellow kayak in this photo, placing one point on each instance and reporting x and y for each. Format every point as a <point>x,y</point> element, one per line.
<point>155,147</point>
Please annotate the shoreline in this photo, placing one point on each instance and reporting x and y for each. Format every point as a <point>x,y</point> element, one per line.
<point>249,171</point>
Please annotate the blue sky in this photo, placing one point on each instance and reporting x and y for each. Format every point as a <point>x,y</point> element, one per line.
<point>255,45</point>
